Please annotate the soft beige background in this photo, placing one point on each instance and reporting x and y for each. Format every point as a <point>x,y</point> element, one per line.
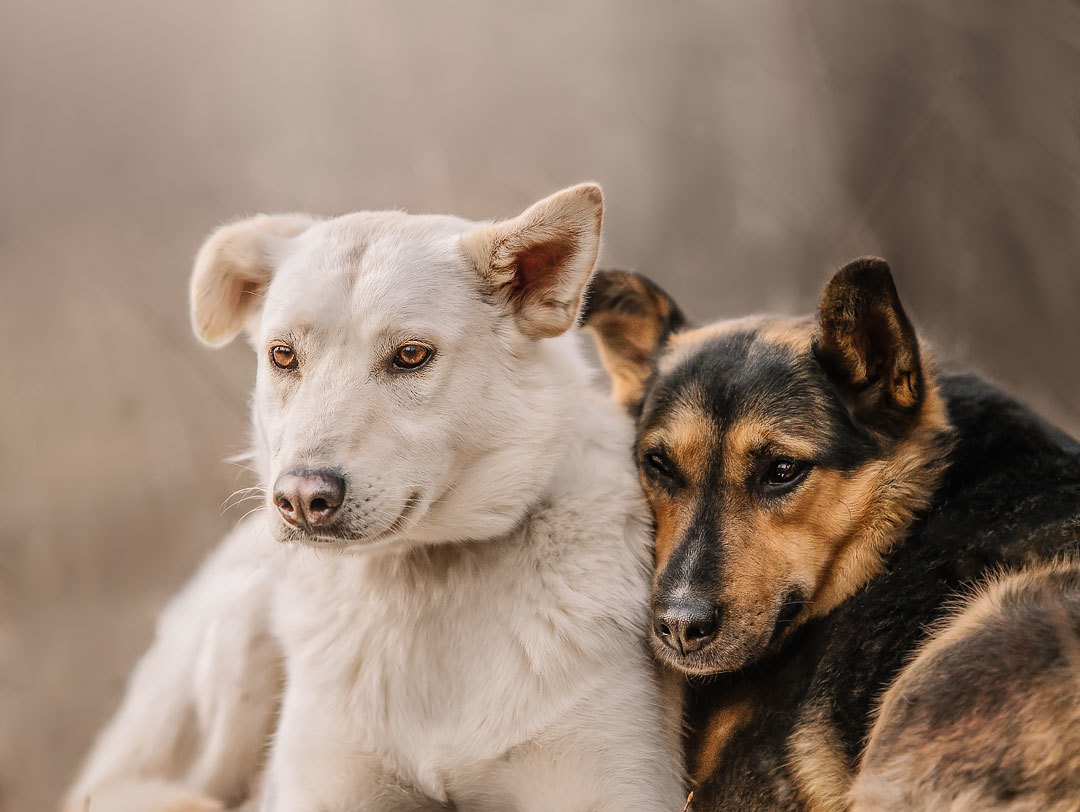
<point>746,147</point>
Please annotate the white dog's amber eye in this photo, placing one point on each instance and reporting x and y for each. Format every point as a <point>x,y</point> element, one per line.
<point>411,356</point>
<point>283,357</point>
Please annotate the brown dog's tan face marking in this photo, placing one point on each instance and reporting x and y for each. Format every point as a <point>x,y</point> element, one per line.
<point>782,457</point>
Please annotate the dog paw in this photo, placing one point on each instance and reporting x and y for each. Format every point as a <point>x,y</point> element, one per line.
<point>143,796</point>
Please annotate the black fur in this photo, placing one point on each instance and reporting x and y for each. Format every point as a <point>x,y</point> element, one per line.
<point>1010,497</point>
<point>740,373</point>
<point>633,294</point>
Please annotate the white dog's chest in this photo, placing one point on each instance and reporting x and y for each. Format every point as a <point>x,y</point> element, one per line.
<point>434,676</point>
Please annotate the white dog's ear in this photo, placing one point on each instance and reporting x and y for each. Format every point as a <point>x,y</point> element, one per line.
<point>232,270</point>
<point>540,261</point>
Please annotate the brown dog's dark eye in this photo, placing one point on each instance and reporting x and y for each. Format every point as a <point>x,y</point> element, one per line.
<point>783,472</point>
<point>411,356</point>
<point>283,357</point>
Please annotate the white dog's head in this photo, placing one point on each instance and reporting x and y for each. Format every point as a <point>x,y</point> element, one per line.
<point>407,386</point>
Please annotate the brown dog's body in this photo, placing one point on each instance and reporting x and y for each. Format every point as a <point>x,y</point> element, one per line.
<point>989,705</point>
<point>822,498</point>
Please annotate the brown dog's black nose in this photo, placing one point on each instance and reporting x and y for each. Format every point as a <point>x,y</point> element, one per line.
<point>686,626</point>
<point>309,499</point>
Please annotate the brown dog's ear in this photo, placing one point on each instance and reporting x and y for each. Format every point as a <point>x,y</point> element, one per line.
<point>540,261</point>
<point>232,270</point>
<point>631,318</point>
<point>868,346</point>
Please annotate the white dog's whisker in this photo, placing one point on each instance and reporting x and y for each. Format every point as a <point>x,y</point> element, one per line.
<point>242,495</point>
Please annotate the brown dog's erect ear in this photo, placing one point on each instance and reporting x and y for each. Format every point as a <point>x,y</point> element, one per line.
<point>631,318</point>
<point>540,261</point>
<point>232,269</point>
<point>868,346</point>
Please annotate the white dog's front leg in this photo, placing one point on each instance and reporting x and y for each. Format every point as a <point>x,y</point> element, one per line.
<point>313,766</point>
<point>200,705</point>
<point>316,765</point>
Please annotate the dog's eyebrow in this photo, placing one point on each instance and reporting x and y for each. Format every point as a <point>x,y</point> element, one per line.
<point>290,332</point>
<point>390,335</point>
<point>749,436</point>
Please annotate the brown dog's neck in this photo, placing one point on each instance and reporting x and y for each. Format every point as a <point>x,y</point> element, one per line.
<point>893,490</point>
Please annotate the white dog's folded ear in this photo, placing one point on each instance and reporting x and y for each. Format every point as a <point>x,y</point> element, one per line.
<point>540,261</point>
<point>232,270</point>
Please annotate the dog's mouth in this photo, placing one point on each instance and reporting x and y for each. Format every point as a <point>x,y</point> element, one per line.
<point>716,657</point>
<point>736,648</point>
<point>348,532</point>
<point>407,510</point>
<point>720,656</point>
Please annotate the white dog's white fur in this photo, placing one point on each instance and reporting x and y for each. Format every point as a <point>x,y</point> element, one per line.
<point>470,630</point>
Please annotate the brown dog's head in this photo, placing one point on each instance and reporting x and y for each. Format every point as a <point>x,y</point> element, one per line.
<point>782,456</point>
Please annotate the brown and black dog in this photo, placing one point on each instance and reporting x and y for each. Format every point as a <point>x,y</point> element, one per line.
<point>825,501</point>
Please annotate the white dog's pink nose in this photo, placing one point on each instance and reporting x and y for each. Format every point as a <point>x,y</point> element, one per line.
<point>309,499</point>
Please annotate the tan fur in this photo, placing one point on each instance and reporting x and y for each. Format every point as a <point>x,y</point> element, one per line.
<point>695,337</point>
<point>1032,739</point>
<point>685,342</point>
<point>724,723</point>
<point>629,339</point>
<point>670,520</point>
<point>792,332</point>
<point>902,488</point>
<point>829,536</point>
<point>826,538</point>
<point>627,354</point>
<point>860,300</point>
<point>689,436</point>
<point>753,432</point>
<point>795,334</point>
<point>822,776</point>
<point>787,554</point>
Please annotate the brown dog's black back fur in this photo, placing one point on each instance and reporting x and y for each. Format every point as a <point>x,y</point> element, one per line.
<point>822,498</point>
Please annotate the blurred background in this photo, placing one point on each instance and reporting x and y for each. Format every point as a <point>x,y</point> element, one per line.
<point>746,147</point>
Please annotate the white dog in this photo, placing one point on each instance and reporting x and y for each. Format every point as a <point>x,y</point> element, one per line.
<point>456,615</point>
